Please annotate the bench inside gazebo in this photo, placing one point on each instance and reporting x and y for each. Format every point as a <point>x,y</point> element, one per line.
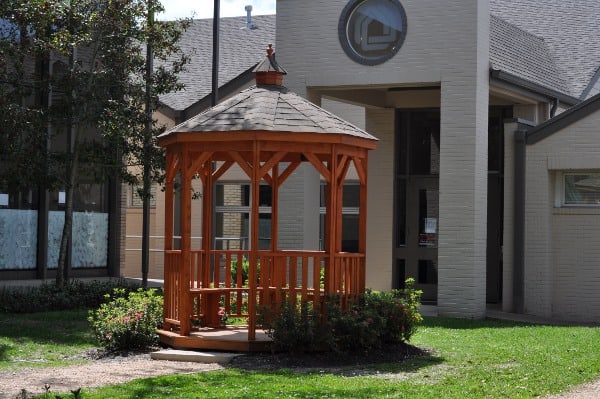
<point>267,132</point>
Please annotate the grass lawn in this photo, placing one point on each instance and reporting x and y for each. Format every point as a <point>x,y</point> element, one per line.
<point>43,339</point>
<point>469,359</point>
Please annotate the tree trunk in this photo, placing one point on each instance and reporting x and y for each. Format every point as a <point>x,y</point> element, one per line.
<point>71,177</point>
<point>72,170</point>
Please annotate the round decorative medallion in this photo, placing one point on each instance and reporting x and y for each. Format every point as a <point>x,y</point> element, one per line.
<point>372,31</point>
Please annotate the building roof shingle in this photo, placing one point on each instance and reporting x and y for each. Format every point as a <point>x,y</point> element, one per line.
<point>569,28</point>
<point>523,54</point>
<point>551,43</point>
<point>239,51</point>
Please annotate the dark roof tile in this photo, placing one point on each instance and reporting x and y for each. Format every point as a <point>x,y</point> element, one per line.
<point>570,29</point>
<point>240,49</point>
<point>270,108</point>
<point>523,54</point>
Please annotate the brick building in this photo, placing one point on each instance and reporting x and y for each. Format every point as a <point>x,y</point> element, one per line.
<point>467,194</point>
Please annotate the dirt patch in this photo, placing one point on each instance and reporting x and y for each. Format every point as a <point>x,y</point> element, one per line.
<point>102,370</point>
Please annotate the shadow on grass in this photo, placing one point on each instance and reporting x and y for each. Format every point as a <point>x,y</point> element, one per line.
<point>466,324</point>
<point>4,352</point>
<point>389,359</point>
<point>258,384</point>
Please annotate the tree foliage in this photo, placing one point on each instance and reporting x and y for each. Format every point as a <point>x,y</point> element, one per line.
<point>73,91</point>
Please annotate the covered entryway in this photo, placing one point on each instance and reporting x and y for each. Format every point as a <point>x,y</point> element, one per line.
<point>417,199</point>
<point>268,132</point>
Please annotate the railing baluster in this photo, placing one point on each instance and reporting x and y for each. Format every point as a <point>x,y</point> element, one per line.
<point>304,282</point>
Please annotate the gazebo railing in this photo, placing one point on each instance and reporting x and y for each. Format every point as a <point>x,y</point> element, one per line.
<point>223,281</point>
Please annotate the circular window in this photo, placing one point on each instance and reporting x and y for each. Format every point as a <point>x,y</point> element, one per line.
<point>372,31</point>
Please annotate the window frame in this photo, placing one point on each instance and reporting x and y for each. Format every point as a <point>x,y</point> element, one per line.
<point>560,199</point>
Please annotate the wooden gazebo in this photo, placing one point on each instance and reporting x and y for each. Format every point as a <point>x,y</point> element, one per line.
<point>268,132</point>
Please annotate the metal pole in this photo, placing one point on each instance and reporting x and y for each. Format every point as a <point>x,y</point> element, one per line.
<point>147,148</point>
<point>215,61</point>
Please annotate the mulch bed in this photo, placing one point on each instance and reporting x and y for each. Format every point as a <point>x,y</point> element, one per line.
<point>324,360</point>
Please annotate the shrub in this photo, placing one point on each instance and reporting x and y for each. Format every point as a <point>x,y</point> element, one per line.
<point>379,318</point>
<point>245,270</point>
<point>128,321</point>
<point>293,327</point>
<point>75,294</point>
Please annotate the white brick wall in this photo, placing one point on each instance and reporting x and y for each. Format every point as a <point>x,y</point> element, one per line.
<point>298,220</point>
<point>563,244</point>
<point>447,44</point>
<point>380,200</point>
<point>509,222</point>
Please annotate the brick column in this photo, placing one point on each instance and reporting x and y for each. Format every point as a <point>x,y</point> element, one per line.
<point>463,169</point>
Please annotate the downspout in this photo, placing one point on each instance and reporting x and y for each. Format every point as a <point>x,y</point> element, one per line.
<point>215,54</point>
<point>519,221</point>
<point>554,107</point>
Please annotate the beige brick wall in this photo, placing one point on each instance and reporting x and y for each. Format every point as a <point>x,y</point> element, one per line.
<point>132,226</point>
<point>563,244</point>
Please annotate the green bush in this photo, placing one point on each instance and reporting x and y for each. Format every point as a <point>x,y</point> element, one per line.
<point>245,271</point>
<point>75,294</point>
<point>379,318</point>
<point>128,320</point>
<point>294,327</point>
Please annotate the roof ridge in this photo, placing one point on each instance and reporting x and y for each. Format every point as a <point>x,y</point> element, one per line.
<point>234,17</point>
<point>322,110</point>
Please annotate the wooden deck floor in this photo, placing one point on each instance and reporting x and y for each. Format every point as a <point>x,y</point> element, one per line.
<point>230,338</point>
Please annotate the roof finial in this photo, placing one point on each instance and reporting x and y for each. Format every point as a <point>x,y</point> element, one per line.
<point>268,71</point>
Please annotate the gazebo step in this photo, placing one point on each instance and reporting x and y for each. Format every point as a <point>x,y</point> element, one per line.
<point>234,339</point>
<point>193,356</point>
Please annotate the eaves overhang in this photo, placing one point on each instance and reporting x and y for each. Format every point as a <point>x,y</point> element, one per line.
<point>534,87</point>
<point>563,119</point>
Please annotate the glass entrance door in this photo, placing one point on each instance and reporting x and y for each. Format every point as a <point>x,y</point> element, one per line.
<point>417,200</point>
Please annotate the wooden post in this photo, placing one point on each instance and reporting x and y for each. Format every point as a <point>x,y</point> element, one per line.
<point>207,216</point>
<point>340,264</point>
<point>275,209</point>
<point>168,242</point>
<point>186,238</point>
<point>253,241</point>
<point>362,224</point>
<point>331,222</point>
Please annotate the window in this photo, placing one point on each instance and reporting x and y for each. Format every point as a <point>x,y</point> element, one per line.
<point>350,216</point>
<point>578,189</point>
<point>18,229</point>
<point>233,205</point>
<point>372,31</point>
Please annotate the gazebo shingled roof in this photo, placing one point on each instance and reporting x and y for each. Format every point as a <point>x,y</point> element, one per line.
<point>268,108</point>
<point>259,129</point>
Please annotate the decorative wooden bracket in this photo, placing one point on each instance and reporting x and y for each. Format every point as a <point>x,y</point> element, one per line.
<point>316,162</point>
<point>222,169</point>
<point>246,167</point>
<point>360,169</point>
<point>288,171</point>
<point>199,162</point>
<point>171,167</point>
